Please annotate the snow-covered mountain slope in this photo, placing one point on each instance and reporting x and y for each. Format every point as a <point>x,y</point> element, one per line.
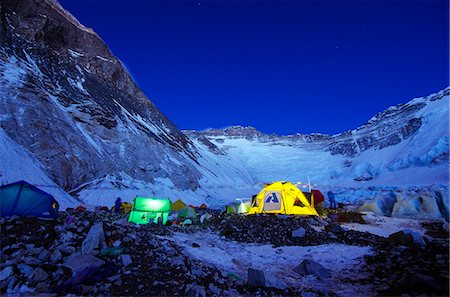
<point>17,164</point>
<point>406,145</point>
<point>69,101</point>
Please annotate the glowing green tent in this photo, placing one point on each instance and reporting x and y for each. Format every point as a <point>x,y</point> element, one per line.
<point>146,210</point>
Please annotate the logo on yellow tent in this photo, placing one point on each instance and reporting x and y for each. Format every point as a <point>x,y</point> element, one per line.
<point>272,199</point>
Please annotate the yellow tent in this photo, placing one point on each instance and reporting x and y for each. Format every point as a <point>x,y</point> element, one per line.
<point>178,205</point>
<point>126,207</point>
<point>282,198</point>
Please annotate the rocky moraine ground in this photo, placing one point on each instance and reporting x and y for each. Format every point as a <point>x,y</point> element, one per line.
<point>100,253</point>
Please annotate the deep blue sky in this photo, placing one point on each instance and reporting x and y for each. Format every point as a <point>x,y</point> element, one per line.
<point>311,66</point>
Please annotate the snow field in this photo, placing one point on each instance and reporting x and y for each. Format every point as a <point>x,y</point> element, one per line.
<point>278,262</point>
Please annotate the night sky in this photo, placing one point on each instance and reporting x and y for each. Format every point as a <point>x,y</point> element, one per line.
<point>315,66</point>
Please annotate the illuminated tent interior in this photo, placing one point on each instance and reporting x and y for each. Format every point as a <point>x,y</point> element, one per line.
<point>147,210</point>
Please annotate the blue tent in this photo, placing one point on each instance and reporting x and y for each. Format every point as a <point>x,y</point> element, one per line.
<point>22,199</point>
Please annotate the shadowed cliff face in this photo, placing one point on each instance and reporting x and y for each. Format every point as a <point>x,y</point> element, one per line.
<point>69,100</point>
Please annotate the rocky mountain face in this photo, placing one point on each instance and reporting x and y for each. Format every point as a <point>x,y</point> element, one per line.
<point>387,128</point>
<point>68,100</point>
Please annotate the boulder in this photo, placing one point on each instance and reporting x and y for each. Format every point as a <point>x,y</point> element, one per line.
<point>79,263</point>
<point>94,239</point>
<point>114,277</point>
<point>204,217</point>
<point>309,266</point>
<point>34,250</point>
<point>24,289</point>
<point>56,256</point>
<point>214,290</point>
<point>300,232</point>
<point>197,271</point>
<point>177,261</point>
<point>9,284</point>
<point>66,249</point>
<point>67,236</point>
<point>38,275</point>
<point>195,291</point>
<point>256,278</point>
<point>77,278</point>
<point>31,261</point>
<point>406,237</point>
<point>25,269</point>
<point>121,222</point>
<point>43,255</point>
<point>126,260</point>
<point>334,228</point>
<point>6,272</point>
<point>19,253</point>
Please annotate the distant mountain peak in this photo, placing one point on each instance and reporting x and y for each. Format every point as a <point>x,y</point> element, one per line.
<point>232,131</point>
<point>68,100</point>
<point>57,7</point>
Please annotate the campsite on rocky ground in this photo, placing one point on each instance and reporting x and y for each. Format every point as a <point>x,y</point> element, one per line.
<point>326,172</point>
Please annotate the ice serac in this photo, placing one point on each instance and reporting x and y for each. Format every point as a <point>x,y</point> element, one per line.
<point>68,100</point>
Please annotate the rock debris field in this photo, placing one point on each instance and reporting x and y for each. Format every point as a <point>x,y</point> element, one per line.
<point>100,253</point>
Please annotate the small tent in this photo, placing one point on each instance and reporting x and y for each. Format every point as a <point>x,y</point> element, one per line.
<point>187,212</point>
<point>23,199</point>
<point>244,207</point>
<point>125,208</point>
<point>230,209</point>
<point>146,210</point>
<point>282,198</point>
<point>238,208</point>
<point>314,197</point>
<point>318,197</point>
<point>178,205</point>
